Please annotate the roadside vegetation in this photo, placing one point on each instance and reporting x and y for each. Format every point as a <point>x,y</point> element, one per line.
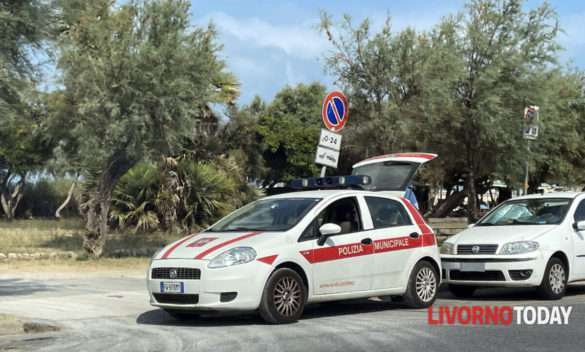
<point>143,140</point>
<point>10,325</point>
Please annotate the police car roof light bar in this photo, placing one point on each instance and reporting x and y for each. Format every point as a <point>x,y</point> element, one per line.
<point>352,181</point>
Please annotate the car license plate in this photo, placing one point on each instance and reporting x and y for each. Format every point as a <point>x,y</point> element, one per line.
<point>472,266</point>
<point>172,287</point>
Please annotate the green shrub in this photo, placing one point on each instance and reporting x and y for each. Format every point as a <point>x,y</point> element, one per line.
<point>133,203</point>
<point>191,194</point>
<point>44,196</point>
<point>209,193</point>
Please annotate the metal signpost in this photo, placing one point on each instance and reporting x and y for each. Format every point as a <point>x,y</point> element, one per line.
<point>335,114</point>
<point>530,133</point>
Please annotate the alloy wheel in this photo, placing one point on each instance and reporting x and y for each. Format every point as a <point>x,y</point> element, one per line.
<point>287,296</point>
<point>557,278</point>
<point>426,284</point>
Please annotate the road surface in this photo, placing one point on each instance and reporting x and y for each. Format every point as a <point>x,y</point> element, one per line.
<point>108,313</point>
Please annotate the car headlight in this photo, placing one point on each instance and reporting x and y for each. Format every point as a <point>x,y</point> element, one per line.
<point>234,256</point>
<point>448,248</point>
<point>519,247</point>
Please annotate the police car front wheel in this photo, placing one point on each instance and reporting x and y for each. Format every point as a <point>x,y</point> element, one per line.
<point>284,297</point>
<point>422,286</point>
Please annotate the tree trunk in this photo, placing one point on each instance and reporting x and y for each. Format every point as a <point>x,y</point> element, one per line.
<point>96,211</point>
<point>10,200</point>
<point>472,209</point>
<point>448,205</point>
<point>67,200</point>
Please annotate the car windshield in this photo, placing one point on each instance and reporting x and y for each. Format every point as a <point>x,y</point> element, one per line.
<point>278,214</point>
<point>541,211</point>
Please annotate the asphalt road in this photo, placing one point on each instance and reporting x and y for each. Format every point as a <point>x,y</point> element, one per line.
<point>112,314</point>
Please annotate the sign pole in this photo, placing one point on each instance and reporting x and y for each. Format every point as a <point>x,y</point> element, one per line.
<point>323,171</point>
<point>526,175</point>
<point>531,120</point>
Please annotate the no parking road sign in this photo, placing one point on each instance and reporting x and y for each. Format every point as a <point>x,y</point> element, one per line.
<point>335,111</point>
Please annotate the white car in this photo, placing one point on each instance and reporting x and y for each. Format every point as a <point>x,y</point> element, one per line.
<point>278,253</point>
<point>530,241</point>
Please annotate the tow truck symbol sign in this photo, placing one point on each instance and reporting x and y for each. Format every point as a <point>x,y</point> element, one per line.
<point>328,157</point>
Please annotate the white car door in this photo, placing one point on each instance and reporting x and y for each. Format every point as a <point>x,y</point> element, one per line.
<point>579,242</point>
<point>396,238</point>
<point>340,264</point>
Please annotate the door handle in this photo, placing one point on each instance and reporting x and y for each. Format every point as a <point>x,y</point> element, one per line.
<point>414,235</point>
<point>367,241</point>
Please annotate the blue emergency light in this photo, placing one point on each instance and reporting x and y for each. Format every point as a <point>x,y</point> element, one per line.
<point>353,181</point>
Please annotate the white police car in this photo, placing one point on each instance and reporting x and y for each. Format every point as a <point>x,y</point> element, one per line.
<point>281,252</point>
<point>531,241</point>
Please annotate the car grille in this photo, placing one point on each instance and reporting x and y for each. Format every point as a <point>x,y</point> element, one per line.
<point>175,298</point>
<point>483,248</point>
<point>493,275</point>
<point>182,273</point>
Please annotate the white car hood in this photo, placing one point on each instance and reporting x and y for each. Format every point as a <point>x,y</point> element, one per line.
<point>207,245</point>
<point>501,234</point>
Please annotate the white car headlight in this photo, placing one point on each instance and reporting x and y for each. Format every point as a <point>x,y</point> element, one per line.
<point>234,256</point>
<point>519,247</point>
<point>447,248</point>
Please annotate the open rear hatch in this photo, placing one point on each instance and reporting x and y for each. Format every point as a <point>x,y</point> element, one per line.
<point>391,172</point>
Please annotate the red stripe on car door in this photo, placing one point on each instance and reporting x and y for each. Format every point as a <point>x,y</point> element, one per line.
<point>344,251</point>
<point>326,254</point>
<point>223,244</point>
<point>427,235</point>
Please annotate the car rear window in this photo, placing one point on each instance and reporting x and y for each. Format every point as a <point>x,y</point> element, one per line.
<point>387,212</point>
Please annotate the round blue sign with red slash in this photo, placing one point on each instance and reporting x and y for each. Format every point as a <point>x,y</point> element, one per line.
<point>335,112</point>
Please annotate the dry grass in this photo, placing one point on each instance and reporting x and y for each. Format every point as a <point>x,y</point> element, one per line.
<point>52,236</point>
<point>46,236</point>
<point>38,235</point>
<point>10,325</point>
<point>129,266</point>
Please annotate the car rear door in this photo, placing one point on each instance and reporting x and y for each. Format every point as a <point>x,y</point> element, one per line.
<point>340,265</point>
<point>396,238</point>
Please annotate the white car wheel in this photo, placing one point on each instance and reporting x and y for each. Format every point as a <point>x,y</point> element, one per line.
<point>554,281</point>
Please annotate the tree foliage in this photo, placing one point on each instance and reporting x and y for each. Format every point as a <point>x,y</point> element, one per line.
<point>459,90</point>
<point>25,31</point>
<point>289,128</point>
<point>138,75</point>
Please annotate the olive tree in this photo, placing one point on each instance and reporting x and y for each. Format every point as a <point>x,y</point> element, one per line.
<point>137,75</point>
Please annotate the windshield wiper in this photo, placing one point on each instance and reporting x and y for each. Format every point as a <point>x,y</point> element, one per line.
<point>243,229</point>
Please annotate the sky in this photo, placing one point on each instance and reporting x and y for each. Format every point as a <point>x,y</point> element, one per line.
<point>270,44</point>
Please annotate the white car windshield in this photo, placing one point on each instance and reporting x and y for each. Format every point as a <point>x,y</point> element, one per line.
<point>278,214</point>
<point>541,211</point>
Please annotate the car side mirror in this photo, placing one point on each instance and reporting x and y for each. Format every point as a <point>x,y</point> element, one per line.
<point>470,225</point>
<point>579,225</point>
<point>326,230</point>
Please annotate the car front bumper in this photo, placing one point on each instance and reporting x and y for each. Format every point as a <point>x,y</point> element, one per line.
<point>237,287</point>
<point>493,270</point>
